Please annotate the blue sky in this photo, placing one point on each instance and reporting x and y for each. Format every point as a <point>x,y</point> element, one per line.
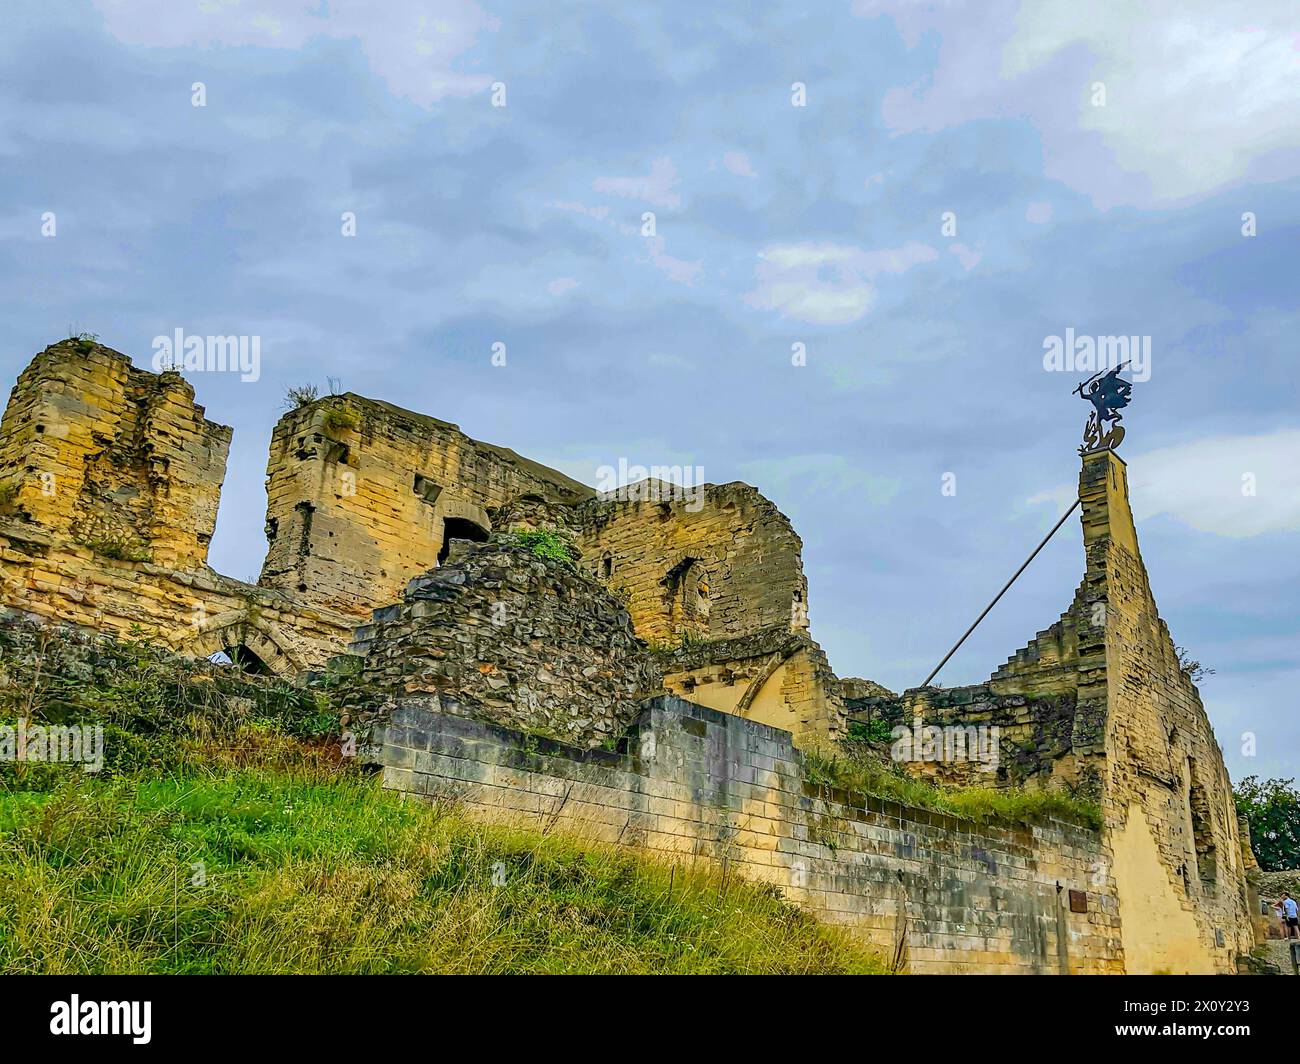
<point>774,225</point>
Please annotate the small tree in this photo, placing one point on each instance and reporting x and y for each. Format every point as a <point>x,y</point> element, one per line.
<point>1273,809</point>
<point>1193,670</point>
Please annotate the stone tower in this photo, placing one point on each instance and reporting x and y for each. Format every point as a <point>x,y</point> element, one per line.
<point>113,457</point>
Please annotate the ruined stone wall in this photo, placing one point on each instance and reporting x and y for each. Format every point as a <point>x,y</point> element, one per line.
<point>723,565</point>
<point>689,783</point>
<point>110,478</point>
<point>714,582</point>
<point>112,456</point>
<point>1166,799</point>
<point>1049,702</point>
<point>196,612</point>
<point>505,636</point>
<point>1098,704</point>
<point>775,676</point>
<point>857,688</point>
<point>361,493</point>
<point>1033,740</point>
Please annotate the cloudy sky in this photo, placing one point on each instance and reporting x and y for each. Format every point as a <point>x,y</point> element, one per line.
<point>919,195</point>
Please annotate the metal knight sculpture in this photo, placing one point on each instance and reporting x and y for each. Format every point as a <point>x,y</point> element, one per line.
<point>1107,393</point>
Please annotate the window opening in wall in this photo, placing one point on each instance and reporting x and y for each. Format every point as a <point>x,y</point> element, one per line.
<point>688,597</point>
<point>425,489</point>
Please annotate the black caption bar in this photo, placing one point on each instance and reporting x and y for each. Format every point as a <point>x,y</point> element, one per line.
<point>216,1013</point>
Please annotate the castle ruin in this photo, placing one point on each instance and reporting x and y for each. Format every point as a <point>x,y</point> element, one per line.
<point>666,669</point>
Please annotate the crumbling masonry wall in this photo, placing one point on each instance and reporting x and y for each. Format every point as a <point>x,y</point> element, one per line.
<point>362,495</point>
<point>1048,701</point>
<point>505,636</point>
<point>775,676</point>
<point>1035,734</point>
<point>110,477</point>
<point>724,564</point>
<point>714,582</point>
<point>1166,797</point>
<point>112,456</point>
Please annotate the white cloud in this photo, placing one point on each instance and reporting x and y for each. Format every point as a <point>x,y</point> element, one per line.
<point>1180,76</point>
<point>656,188</point>
<point>827,284</point>
<point>1038,213</point>
<point>561,285</point>
<point>411,46</point>
<point>738,163</point>
<point>968,257</point>
<point>1203,484</point>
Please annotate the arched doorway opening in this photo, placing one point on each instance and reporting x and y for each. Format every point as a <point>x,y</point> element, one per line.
<point>459,528</point>
<point>241,658</point>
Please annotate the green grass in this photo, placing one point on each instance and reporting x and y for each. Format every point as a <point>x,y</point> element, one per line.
<point>855,770</point>
<point>227,834</point>
<point>319,870</point>
<point>544,543</point>
<point>341,419</point>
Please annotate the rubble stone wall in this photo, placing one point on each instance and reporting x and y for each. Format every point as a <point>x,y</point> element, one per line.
<point>505,636</point>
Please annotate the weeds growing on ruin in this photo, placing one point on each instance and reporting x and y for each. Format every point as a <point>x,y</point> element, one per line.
<point>341,419</point>
<point>301,395</point>
<point>853,769</point>
<point>156,714</point>
<point>875,730</point>
<point>545,544</point>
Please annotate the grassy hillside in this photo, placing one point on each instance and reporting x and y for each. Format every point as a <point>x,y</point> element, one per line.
<point>225,834</point>
<point>260,870</point>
